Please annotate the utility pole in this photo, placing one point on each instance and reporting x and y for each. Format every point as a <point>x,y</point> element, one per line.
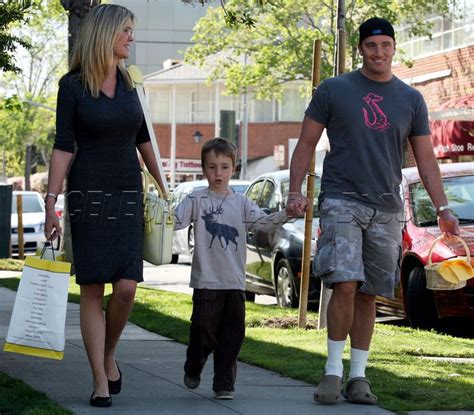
<point>243,164</point>
<point>308,217</point>
<point>339,67</point>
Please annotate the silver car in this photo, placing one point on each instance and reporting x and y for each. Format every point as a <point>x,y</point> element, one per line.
<point>183,240</point>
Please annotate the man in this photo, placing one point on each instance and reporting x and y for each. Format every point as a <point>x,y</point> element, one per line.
<point>368,115</point>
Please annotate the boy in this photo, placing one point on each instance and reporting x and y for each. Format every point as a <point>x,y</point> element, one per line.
<point>221,219</point>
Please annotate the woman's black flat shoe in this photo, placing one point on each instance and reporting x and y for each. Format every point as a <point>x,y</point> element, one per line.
<point>115,386</point>
<point>100,401</point>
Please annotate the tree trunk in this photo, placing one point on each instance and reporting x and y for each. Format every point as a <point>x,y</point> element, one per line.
<point>76,10</point>
<point>28,166</point>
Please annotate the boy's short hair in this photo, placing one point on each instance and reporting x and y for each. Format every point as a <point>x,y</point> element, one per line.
<point>219,146</point>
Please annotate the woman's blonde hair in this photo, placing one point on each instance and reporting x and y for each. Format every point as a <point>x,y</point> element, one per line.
<point>93,52</point>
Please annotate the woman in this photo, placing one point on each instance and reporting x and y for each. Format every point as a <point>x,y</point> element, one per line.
<point>98,111</point>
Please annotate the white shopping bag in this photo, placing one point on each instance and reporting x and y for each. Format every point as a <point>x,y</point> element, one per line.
<point>37,325</point>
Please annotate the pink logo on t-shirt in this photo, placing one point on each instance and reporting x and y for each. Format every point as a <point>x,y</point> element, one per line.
<point>379,119</point>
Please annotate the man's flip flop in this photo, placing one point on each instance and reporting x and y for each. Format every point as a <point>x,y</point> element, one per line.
<point>358,390</point>
<point>329,389</point>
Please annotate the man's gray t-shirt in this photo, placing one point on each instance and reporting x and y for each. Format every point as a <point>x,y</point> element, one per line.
<point>367,124</point>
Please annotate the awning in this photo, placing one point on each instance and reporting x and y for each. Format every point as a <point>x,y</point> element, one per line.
<point>452,128</point>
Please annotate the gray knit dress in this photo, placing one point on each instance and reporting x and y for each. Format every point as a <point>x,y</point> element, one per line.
<point>104,183</point>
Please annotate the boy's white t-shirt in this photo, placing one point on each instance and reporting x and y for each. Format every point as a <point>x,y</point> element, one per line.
<point>220,224</point>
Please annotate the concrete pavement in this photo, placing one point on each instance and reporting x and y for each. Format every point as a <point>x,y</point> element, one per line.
<point>152,368</point>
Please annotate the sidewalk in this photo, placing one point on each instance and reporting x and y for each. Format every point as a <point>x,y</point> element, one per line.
<point>152,368</point>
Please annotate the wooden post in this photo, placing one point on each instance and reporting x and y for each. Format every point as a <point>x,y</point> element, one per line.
<point>308,225</point>
<point>21,240</point>
<point>339,68</point>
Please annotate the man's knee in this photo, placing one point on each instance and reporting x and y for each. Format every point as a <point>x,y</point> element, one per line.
<point>345,291</point>
<point>365,299</point>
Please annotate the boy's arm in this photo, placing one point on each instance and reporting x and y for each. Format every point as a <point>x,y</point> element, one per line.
<point>257,219</point>
<point>183,213</point>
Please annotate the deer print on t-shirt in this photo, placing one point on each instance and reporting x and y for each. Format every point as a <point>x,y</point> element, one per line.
<point>221,230</point>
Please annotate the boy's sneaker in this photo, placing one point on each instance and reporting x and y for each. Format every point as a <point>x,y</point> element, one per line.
<point>190,382</point>
<point>228,395</point>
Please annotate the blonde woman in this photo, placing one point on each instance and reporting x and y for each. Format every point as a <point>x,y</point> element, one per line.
<point>98,111</point>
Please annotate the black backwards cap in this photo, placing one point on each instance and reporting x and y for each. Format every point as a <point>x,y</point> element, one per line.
<point>375,26</point>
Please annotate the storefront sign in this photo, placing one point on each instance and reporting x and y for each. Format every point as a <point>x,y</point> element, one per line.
<point>454,137</point>
<point>183,165</point>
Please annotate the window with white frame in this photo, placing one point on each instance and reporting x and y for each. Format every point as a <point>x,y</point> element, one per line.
<point>231,103</point>
<point>454,30</point>
<point>202,107</point>
<point>293,105</point>
<point>261,111</point>
<point>183,107</point>
<point>159,104</point>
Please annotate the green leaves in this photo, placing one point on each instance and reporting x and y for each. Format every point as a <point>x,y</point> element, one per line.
<point>11,11</point>
<point>277,45</point>
<point>29,93</point>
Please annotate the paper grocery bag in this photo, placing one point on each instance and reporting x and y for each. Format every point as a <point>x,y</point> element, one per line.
<point>37,325</point>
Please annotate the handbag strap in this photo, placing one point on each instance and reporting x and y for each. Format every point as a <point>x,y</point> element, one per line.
<point>45,247</point>
<point>137,79</point>
<point>147,177</point>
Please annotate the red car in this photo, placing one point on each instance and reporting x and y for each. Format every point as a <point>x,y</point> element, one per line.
<point>423,307</point>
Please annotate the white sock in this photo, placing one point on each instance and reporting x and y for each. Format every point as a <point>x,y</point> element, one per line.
<point>334,364</point>
<point>358,363</point>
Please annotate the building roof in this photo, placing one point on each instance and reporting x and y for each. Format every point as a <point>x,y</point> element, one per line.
<point>181,72</point>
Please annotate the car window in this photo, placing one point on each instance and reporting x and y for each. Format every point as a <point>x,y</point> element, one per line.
<point>255,190</point>
<point>269,198</point>
<point>60,202</point>
<point>239,188</point>
<point>285,188</point>
<point>31,204</point>
<point>460,194</point>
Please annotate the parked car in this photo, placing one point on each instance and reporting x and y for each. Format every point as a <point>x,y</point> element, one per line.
<point>274,258</point>
<point>33,221</point>
<point>183,240</point>
<point>59,206</point>
<point>423,307</point>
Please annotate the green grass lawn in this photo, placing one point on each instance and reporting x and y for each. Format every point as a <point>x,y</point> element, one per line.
<point>399,367</point>
<point>18,398</point>
<point>10,264</point>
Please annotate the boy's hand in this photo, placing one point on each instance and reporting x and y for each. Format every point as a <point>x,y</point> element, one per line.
<point>296,204</point>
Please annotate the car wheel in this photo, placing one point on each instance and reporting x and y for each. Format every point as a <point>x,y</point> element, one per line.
<point>249,296</point>
<point>174,258</point>
<point>421,308</point>
<point>191,240</point>
<point>285,285</point>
